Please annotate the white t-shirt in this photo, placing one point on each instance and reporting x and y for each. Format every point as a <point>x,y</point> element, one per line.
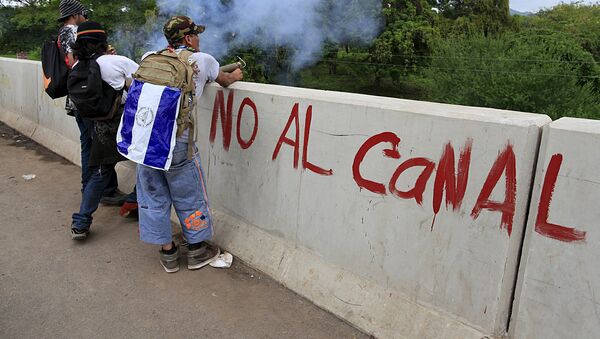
<point>116,69</point>
<point>208,70</point>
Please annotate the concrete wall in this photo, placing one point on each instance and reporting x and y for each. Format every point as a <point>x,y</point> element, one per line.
<point>26,107</point>
<point>404,218</point>
<point>559,282</point>
<point>380,260</point>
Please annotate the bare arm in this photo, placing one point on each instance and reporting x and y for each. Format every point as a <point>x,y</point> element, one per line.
<point>70,60</point>
<point>226,79</point>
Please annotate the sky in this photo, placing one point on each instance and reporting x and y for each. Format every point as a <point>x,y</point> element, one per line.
<point>535,5</point>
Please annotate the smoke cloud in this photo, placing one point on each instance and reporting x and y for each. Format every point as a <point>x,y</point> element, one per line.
<point>302,26</point>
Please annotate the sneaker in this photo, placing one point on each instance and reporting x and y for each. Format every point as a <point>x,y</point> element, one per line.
<point>202,256</point>
<point>116,199</point>
<point>129,209</point>
<point>170,262</point>
<point>77,234</point>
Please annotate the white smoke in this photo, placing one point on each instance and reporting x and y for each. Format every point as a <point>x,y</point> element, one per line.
<point>302,26</point>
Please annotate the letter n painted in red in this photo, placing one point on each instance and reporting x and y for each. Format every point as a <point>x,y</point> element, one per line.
<point>446,176</point>
<point>226,119</point>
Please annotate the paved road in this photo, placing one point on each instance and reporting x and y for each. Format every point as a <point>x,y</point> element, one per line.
<point>112,286</point>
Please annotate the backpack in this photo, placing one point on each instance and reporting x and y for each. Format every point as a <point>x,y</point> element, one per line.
<point>172,69</point>
<point>158,109</point>
<point>55,71</point>
<point>94,98</point>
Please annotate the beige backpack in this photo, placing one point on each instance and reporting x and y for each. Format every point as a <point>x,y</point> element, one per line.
<point>172,69</point>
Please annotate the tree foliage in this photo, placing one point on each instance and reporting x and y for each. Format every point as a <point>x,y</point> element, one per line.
<point>529,71</point>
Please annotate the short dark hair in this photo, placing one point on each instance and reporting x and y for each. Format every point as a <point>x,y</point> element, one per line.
<point>86,48</point>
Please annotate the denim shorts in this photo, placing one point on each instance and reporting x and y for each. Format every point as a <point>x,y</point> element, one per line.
<point>182,187</point>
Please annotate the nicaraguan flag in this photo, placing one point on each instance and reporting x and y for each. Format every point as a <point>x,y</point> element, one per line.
<point>148,128</point>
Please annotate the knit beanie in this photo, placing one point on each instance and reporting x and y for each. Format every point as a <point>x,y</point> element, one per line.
<point>91,30</point>
<point>68,8</point>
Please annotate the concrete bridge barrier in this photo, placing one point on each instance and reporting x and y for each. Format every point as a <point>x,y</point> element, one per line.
<point>558,293</point>
<point>26,107</point>
<point>405,218</point>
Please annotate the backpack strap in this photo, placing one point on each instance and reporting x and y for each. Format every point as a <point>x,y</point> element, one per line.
<point>185,120</point>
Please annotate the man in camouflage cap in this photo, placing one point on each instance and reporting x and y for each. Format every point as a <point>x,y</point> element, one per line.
<point>178,27</point>
<point>183,184</point>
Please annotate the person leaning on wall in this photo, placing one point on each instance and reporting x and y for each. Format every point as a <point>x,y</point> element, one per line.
<point>183,184</point>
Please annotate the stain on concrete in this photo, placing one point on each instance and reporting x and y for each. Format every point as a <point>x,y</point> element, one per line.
<point>16,139</point>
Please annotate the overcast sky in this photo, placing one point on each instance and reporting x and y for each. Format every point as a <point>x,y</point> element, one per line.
<point>535,5</point>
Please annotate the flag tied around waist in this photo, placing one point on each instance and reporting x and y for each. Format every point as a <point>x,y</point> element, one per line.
<point>148,128</point>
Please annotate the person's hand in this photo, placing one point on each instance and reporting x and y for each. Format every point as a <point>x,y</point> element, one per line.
<point>225,79</point>
<point>238,74</point>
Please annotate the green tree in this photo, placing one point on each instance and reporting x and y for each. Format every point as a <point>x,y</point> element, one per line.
<point>529,71</point>
<point>475,16</point>
<point>410,27</point>
<point>33,21</point>
<point>580,21</point>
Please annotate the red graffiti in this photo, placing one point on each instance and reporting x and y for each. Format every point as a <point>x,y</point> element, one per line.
<point>243,143</point>
<point>446,177</point>
<point>506,163</point>
<point>226,118</point>
<point>305,163</point>
<point>296,142</point>
<point>284,139</point>
<point>451,178</point>
<point>393,153</point>
<point>417,191</point>
<point>542,226</point>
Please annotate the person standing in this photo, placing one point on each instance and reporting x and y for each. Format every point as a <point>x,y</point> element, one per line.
<point>73,14</point>
<point>182,184</point>
<point>115,71</point>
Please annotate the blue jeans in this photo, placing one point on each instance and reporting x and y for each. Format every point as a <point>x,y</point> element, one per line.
<point>101,177</point>
<point>183,187</point>
<point>86,130</point>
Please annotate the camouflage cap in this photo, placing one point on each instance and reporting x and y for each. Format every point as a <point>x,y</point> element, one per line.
<point>179,26</point>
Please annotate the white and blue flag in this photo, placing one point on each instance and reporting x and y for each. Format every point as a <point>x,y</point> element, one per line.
<point>148,128</point>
